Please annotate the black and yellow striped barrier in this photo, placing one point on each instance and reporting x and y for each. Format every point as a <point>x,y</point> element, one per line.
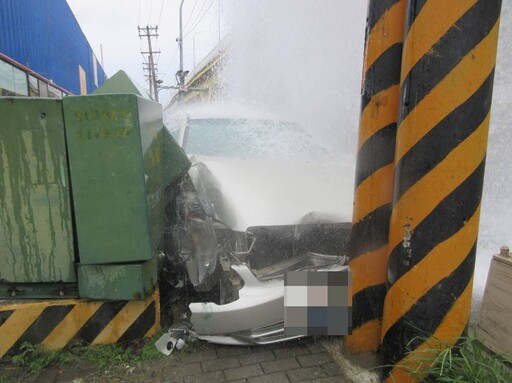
<point>446,89</point>
<point>374,170</point>
<point>57,323</point>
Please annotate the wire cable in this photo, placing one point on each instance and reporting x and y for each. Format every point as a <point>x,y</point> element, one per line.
<point>150,12</point>
<point>139,13</point>
<point>172,61</point>
<point>202,17</point>
<point>190,15</point>
<point>185,31</point>
<point>161,11</point>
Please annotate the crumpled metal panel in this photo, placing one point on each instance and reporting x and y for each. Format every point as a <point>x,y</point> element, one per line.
<point>36,242</point>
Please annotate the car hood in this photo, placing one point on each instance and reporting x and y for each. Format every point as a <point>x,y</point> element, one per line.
<point>245,193</point>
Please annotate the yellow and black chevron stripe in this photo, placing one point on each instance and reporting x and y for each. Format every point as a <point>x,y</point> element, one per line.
<point>57,323</point>
<point>374,170</point>
<point>446,90</point>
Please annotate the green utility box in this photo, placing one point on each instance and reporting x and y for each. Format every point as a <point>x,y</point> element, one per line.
<point>121,160</point>
<point>36,240</point>
<point>118,281</point>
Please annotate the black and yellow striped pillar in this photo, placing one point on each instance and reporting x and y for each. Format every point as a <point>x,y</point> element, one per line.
<point>374,170</point>
<point>445,98</point>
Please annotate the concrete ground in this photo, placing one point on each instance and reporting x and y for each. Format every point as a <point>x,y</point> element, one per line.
<point>296,361</point>
<point>319,360</point>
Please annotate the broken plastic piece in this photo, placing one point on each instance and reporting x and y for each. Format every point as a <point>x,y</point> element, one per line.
<point>174,338</point>
<point>180,344</point>
<point>166,344</point>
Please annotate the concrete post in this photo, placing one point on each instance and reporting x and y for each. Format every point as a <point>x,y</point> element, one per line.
<point>374,170</point>
<point>445,99</point>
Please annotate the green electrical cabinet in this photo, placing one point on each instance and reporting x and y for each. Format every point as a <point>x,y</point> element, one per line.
<point>36,238</point>
<point>121,160</point>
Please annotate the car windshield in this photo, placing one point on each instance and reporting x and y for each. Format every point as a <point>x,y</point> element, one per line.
<point>255,139</point>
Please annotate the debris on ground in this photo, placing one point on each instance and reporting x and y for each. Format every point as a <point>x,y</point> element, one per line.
<point>174,338</point>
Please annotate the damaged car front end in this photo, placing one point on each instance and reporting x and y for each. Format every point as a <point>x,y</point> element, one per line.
<point>260,199</point>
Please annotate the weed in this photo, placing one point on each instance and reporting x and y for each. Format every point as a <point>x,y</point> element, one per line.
<point>466,362</point>
<point>7,379</point>
<point>107,355</point>
<point>113,355</point>
<point>149,351</point>
<point>35,358</point>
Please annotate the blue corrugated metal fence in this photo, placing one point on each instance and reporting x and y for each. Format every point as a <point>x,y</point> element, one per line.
<point>44,35</point>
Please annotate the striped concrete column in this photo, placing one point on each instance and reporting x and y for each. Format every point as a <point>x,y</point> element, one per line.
<point>445,99</point>
<point>374,170</point>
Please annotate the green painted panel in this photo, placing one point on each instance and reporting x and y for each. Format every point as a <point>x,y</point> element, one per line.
<point>164,162</point>
<point>120,83</point>
<point>36,242</point>
<point>117,282</point>
<point>107,179</point>
<point>119,161</point>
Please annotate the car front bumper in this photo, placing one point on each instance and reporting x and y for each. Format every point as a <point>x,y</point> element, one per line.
<point>257,317</point>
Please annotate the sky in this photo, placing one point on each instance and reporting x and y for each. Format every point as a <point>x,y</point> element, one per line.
<point>113,24</point>
<point>296,45</point>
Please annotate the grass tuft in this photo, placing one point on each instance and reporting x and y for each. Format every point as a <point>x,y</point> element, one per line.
<point>466,362</point>
<point>106,355</point>
<point>35,358</point>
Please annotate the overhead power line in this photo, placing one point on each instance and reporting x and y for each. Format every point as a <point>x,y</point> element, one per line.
<point>161,11</point>
<point>191,13</point>
<point>202,17</point>
<point>172,61</point>
<point>185,30</point>
<point>150,11</point>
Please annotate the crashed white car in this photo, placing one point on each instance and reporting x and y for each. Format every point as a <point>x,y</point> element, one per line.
<point>261,198</point>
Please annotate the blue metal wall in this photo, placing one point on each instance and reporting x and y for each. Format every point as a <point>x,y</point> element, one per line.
<point>45,36</point>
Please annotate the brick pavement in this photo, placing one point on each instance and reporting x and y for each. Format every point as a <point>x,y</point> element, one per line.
<point>295,361</point>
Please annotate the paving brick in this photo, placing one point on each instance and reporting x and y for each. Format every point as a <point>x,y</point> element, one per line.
<point>330,379</point>
<point>307,373</point>
<point>278,377</point>
<point>257,357</point>
<point>183,371</point>
<point>332,368</point>
<point>198,356</point>
<point>210,377</point>
<point>315,347</point>
<point>279,365</point>
<point>288,352</point>
<point>314,360</point>
<point>243,372</point>
<point>220,364</point>
<point>224,351</point>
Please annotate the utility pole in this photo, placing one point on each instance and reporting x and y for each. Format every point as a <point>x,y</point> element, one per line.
<point>180,75</point>
<point>150,65</point>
